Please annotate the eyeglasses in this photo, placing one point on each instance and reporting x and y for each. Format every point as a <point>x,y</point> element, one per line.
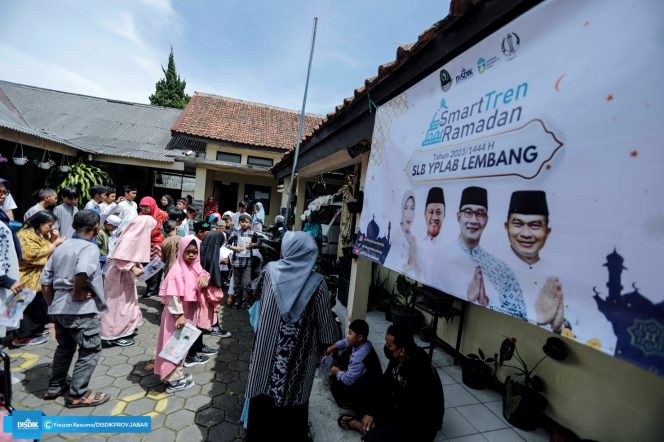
<point>480,215</point>
<point>4,192</point>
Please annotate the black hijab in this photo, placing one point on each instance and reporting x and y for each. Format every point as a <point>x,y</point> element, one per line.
<point>169,205</point>
<point>210,255</point>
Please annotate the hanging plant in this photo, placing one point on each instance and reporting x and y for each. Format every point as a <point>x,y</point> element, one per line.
<point>19,158</point>
<point>82,176</point>
<point>46,162</point>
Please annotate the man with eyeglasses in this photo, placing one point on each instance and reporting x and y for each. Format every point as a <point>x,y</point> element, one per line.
<point>527,229</point>
<point>467,270</point>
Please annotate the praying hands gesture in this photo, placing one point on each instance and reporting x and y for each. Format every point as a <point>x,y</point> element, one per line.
<point>476,291</point>
<point>549,307</point>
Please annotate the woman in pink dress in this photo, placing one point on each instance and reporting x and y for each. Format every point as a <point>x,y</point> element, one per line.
<point>181,293</point>
<point>124,313</point>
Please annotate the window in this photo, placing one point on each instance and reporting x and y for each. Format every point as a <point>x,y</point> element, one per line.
<point>258,161</point>
<point>229,157</point>
<point>256,194</point>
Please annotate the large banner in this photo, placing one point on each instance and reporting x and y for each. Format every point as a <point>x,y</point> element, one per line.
<point>526,175</point>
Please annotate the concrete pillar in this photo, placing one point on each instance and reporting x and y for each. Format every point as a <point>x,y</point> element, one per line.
<point>360,271</point>
<point>301,183</point>
<point>201,184</point>
<point>284,196</point>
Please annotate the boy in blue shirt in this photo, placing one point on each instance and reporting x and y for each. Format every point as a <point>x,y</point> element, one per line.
<point>355,376</point>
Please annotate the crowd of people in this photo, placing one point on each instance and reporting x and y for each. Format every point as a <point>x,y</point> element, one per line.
<point>83,267</point>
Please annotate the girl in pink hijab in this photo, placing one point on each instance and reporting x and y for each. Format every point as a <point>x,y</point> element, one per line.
<point>181,294</point>
<point>131,250</point>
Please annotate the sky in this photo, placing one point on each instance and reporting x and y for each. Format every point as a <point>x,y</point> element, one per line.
<point>251,50</point>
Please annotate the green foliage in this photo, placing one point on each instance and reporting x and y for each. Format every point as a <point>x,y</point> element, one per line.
<point>170,89</point>
<point>404,295</point>
<point>82,176</point>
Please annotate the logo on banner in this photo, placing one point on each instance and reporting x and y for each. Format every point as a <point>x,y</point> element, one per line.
<point>466,74</point>
<point>521,152</point>
<point>484,64</point>
<point>510,44</point>
<point>445,80</point>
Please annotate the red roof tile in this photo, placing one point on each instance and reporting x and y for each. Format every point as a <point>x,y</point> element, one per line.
<point>244,122</point>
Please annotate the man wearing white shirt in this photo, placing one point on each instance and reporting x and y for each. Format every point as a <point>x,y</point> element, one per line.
<point>434,214</point>
<point>466,270</point>
<point>527,229</point>
<point>128,209</point>
<point>47,199</point>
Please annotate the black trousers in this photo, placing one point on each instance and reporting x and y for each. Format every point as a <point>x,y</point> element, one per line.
<point>35,317</point>
<point>196,346</point>
<point>153,283</point>
<point>267,422</point>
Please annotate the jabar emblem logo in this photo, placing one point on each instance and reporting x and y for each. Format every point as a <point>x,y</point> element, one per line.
<point>510,44</point>
<point>445,80</point>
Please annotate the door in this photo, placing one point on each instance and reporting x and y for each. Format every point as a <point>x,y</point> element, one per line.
<point>225,193</point>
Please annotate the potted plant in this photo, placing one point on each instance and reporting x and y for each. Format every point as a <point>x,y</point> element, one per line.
<point>19,158</point>
<point>476,372</point>
<point>378,294</point>
<point>46,162</point>
<point>403,311</point>
<point>523,403</point>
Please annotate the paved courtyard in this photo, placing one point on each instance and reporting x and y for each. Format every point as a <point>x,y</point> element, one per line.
<point>211,410</point>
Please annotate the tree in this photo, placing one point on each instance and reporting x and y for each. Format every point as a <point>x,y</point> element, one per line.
<point>170,89</point>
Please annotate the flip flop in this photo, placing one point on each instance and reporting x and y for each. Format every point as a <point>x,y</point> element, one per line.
<point>88,400</point>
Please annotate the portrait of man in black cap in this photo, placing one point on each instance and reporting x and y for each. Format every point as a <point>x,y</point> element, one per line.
<point>464,268</point>
<point>527,229</point>
<point>434,214</point>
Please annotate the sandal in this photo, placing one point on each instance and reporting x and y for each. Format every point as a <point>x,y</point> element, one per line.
<point>88,400</point>
<point>51,395</point>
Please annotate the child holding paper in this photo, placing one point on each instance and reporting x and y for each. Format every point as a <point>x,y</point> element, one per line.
<point>180,293</point>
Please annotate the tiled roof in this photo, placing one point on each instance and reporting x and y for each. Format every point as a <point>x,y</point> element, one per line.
<point>90,124</point>
<point>228,119</point>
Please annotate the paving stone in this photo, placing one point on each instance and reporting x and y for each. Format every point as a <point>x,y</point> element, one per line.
<point>130,391</point>
<point>213,388</point>
<point>204,377</point>
<point>125,382</point>
<point>239,348</point>
<point>191,392</point>
<point>125,437</point>
<point>174,404</point>
<point>197,402</point>
<point>233,414</point>
<point>149,382</point>
<point>237,387</point>
<point>237,365</point>
<point>121,369</point>
<point>225,401</point>
<point>209,417</point>
<point>227,376</point>
<point>227,357</point>
<point>190,434</point>
<point>160,435</point>
<point>134,350</point>
<point>179,419</point>
<point>224,432</point>
<point>140,407</point>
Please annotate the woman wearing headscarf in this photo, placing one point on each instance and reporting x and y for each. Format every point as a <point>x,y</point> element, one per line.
<point>259,217</point>
<point>211,207</point>
<point>132,249</point>
<point>404,252</point>
<point>167,203</point>
<point>296,325</point>
<point>212,313</point>
<point>38,240</point>
<point>148,207</point>
<point>9,273</point>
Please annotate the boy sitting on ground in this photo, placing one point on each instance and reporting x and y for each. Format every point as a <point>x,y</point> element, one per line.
<point>72,285</point>
<point>356,372</point>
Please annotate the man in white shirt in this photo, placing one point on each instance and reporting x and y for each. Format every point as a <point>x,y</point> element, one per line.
<point>128,209</point>
<point>47,199</point>
<point>236,217</point>
<point>467,270</point>
<point>434,214</point>
<point>527,229</point>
